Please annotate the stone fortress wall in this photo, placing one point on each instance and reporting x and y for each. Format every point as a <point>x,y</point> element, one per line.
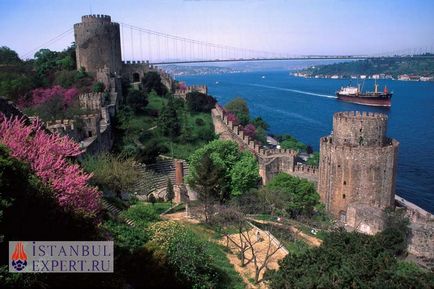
<point>134,71</point>
<point>98,44</point>
<point>357,163</point>
<point>271,161</point>
<point>357,160</point>
<point>182,92</point>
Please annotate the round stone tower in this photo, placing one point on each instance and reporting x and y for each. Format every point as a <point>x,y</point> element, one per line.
<point>97,42</point>
<point>357,165</point>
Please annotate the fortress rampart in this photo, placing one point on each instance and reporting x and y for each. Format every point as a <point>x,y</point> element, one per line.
<point>357,169</point>
<point>91,101</point>
<point>182,92</point>
<point>97,42</point>
<point>271,161</point>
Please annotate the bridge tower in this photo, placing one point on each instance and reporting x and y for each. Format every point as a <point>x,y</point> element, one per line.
<point>357,169</point>
<point>97,42</point>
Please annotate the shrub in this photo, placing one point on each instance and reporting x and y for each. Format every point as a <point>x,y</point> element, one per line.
<point>98,87</point>
<point>199,122</point>
<point>190,256</point>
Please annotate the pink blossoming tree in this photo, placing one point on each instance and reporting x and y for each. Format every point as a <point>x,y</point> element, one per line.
<point>43,95</point>
<point>232,117</point>
<point>48,155</point>
<point>250,130</point>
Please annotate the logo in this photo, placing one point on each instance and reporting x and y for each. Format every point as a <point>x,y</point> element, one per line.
<point>19,257</point>
<point>61,256</point>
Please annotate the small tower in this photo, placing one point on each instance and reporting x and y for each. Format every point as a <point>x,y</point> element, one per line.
<point>97,42</point>
<point>357,169</point>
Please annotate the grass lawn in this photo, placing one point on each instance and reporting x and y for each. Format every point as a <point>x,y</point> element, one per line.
<point>142,213</point>
<point>156,102</point>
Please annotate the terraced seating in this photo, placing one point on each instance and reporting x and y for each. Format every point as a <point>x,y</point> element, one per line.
<point>154,176</point>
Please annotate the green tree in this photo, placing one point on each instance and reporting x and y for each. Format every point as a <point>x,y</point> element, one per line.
<point>111,172</point>
<point>313,160</point>
<point>152,81</point>
<point>98,87</point>
<point>239,107</point>
<point>289,142</point>
<point>8,56</point>
<point>209,181</point>
<point>224,156</point>
<point>170,194</point>
<point>244,174</point>
<point>45,60</point>
<point>137,100</point>
<point>302,196</point>
<point>149,153</point>
<point>347,260</point>
<point>191,257</point>
<point>169,121</point>
<point>258,122</point>
<point>200,102</point>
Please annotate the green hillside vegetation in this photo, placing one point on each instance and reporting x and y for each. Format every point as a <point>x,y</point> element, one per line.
<point>394,66</point>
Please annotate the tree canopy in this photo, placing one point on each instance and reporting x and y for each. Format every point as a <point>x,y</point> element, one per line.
<point>239,170</point>
<point>200,102</point>
<point>300,195</point>
<point>348,260</point>
<point>239,107</point>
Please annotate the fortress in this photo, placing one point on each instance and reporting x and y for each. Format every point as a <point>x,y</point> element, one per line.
<point>356,175</point>
<point>98,50</point>
<point>357,171</point>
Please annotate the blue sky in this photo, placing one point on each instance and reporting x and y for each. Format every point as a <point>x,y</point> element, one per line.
<point>282,26</point>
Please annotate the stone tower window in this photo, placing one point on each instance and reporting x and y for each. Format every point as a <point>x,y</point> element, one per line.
<point>343,196</point>
<point>345,182</point>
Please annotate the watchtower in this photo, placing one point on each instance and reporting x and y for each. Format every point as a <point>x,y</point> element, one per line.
<point>97,42</point>
<point>357,166</point>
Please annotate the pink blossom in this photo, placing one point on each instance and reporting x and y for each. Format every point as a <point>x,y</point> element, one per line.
<point>232,117</point>
<point>42,95</point>
<point>48,155</point>
<point>250,130</point>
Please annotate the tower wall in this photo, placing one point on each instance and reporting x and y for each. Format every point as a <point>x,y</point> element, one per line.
<point>98,44</point>
<point>359,129</point>
<point>357,164</point>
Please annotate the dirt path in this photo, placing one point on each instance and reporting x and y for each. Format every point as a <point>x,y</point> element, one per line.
<point>310,240</point>
<point>260,248</point>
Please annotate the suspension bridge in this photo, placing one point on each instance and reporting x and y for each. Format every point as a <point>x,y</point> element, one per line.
<point>140,44</point>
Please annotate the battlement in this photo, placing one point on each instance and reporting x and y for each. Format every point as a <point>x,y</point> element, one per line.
<point>254,146</point>
<point>306,169</point>
<point>359,129</point>
<point>182,92</point>
<point>127,62</point>
<point>357,115</point>
<point>91,101</point>
<point>60,122</point>
<point>95,18</point>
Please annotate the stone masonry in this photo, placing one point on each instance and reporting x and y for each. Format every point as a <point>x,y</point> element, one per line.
<point>357,166</point>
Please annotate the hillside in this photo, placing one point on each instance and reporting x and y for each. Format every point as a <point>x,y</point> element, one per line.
<point>392,66</point>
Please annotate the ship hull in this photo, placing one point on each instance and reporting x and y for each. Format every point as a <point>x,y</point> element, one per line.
<point>384,101</point>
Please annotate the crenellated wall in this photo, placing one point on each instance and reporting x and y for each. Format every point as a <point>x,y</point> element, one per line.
<point>357,169</point>
<point>98,45</point>
<point>182,92</point>
<point>137,69</point>
<point>271,161</point>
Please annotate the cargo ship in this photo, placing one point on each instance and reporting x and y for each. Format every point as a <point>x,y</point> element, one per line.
<point>372,98</point>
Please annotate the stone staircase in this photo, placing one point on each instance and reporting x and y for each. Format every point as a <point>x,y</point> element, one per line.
<point>115,212</point>
<point>154,177</point>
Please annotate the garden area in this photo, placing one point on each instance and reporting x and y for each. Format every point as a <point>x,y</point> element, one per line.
<point>161,124</point>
